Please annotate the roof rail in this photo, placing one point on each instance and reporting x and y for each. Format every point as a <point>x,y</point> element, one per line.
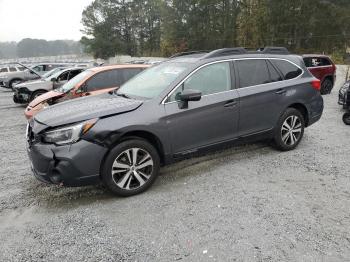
<point>189,53</point>
<point>274,50</point>
<point>226,52</point>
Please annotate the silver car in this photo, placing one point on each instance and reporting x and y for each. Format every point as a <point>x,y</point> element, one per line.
<point>11,78</point>
<point>25,92</point>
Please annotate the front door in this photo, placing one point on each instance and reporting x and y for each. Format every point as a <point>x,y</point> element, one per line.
<point>211,120</point>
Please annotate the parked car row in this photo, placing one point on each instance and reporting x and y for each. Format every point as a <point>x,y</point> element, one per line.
<point>127,122</point>
<point>18,73</point>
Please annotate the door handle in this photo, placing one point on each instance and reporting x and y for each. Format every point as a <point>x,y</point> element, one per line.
<point>281,91</point>
<point>231,103</point>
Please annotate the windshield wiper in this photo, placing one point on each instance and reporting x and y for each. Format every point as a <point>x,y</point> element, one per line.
<point>123,95</point>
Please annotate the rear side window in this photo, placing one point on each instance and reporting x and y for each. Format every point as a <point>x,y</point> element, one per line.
<point>3,70</point>
<point>253,72</point>
<point>316,61</point>
<point>13,69</point>
<point>103,80</point>
<point>288,70</point>
<point>39,68</point>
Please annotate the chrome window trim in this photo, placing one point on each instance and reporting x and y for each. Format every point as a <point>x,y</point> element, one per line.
<point>230,60</point>
<point>311,67</point>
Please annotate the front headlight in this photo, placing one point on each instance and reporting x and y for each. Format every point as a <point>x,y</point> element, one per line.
<point>69,134</point>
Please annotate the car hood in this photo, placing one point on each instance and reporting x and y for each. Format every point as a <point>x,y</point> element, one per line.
<point>86,108</point>
<point>44,97</point>
<point>35,83</point>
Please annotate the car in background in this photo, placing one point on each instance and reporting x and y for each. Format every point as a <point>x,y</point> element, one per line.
<point>52,72</point>
<point>46,67</point>
<point>90,82</point>
<point>344,95</point>
<point>185,106</point>
<point>10,79</point>
<point>26,92</point>
<point>323,68</point>
<point>5,69</point>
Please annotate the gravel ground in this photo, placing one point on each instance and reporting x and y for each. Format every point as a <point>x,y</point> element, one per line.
<point>249,203</point>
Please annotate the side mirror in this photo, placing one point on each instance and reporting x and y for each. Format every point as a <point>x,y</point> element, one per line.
<point>189,95</point>
<point>54,79</point>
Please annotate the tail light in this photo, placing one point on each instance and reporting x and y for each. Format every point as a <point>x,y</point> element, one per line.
<point>316,84</point>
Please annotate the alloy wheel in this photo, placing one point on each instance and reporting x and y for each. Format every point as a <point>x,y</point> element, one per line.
<point>291,130</point>
<point>132,169</point>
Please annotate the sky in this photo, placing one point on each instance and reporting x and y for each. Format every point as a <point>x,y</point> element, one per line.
<point>42,19</point>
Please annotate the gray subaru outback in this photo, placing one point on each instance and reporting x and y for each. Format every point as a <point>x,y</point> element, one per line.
<point>193,103</point>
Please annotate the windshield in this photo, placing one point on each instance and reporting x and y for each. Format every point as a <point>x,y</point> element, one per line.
<point>74,81</point>
<point>153,81</point>
<point>50,74</point>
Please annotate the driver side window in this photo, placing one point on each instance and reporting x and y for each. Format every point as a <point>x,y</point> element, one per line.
<point>63,77</point>
<point>211,79</point>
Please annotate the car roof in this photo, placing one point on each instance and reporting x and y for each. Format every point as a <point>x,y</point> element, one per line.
<point>111,67</point>
<point>201,58</point>
<point>315,55</point>
<point>72,68</point>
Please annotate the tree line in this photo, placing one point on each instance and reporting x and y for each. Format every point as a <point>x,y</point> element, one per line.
<point>38,47</point>
<point>164,27</point>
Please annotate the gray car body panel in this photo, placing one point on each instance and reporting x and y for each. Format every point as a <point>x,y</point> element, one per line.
<point>204,124</point>
<point>32,86</point>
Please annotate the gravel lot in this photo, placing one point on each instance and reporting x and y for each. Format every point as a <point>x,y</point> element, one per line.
<point>249,203</point>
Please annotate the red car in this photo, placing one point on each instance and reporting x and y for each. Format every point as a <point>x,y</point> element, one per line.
<point>323,68</point>
<point>92,81</point>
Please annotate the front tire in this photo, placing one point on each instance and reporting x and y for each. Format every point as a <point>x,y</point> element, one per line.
<point>14,82</point>
<point>346,119</point>
<point>130,168</point>
<point>326,87</point>
<point>289,130</point>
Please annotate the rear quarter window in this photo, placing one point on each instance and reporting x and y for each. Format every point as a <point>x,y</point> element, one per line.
<point>288,70</point>
<point>316,61</point>
<point>3,70</point>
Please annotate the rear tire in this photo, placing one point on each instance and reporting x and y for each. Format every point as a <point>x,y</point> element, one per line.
<point>36,94</point>
<point>130,168</point>
<point>289,130</point>
<point>326,87</point>
<point>346,119</point>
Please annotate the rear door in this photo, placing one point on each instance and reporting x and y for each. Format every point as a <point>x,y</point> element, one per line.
<point>261,95</point>
<point>211,120</point>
